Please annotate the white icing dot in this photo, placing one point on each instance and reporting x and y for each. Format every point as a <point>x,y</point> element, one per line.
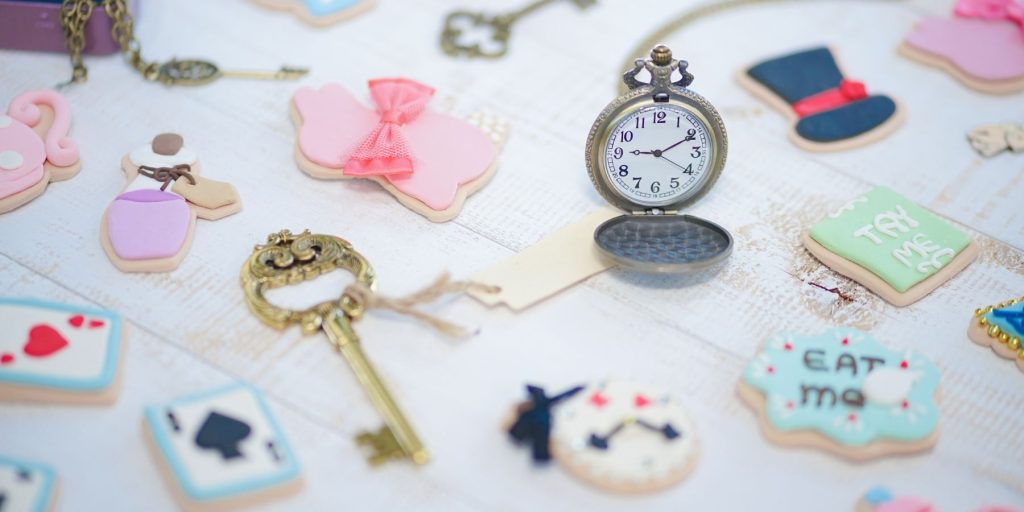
<point>10,160</point>
<point>5,121</point>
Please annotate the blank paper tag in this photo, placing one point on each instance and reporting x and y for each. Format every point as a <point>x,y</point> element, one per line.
<point>557,262</point>
<point>207,193</point>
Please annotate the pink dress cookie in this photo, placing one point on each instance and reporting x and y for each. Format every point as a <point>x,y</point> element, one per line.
<point>34,147</point>
<point>430,161</point>
<point>982,45</point>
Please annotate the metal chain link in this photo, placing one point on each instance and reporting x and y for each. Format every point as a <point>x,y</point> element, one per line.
<point>75,14</point>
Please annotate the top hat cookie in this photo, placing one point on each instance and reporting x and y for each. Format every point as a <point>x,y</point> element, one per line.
<point>830,111</point>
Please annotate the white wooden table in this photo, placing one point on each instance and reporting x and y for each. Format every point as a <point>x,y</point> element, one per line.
<point>190,329</point>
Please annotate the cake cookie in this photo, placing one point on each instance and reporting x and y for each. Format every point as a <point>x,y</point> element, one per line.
<point>843,392</point>
<point>616,435</point>
<point>34,147</point>
<point>982,45</point>
<point>149,225</point>
<point>829,111</point>
<point>430,162</point>
<point>890,245</point>
<point>321,12</point>
<point>1001,327</point>
<point>27,486</point>
<point>51,352</point>
<point>221,449</point>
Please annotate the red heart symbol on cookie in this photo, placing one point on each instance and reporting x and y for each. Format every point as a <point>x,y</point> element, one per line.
<point>7,359</point>
<point>96,324</point>
<point>76,321</point>
<point>641,401</point>
<point>44,341</point>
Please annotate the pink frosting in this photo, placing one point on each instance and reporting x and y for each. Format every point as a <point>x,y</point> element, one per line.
<point>984,49</point>
<point>905,505</point>
<point>148,224</point>
<point>18,138</point>
<point>60,149</point>
<point>446,152</point>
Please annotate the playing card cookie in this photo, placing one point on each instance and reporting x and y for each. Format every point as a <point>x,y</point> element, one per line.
<point>321,12</point>
<point>34,147</point>
<point>843,392</point>
<point>1001,327</point>
<point>982,45</point>
<point>890,245</point>
<point>429,161</point>
<point>221,449</point>
<point>26,486</point>
<point>829,111</point>
<point>149,226</point>
<point>52,352</point>
<point>617,435</point>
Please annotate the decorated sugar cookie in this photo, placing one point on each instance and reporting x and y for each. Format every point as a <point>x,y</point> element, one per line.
<point>890,245</point>
<point>1001,327</point>
<point>26,486</point>
<point>34,147</point>
<point>881,499</point>
<point>990,140</point>
<point>52,352</point>
<point>843,392</point>
<point>982,45</point>
<point>149,226</point>
<point>222,449</point>
<point>321,12</point>
<point>431,162</point>
<point>829,111</point>
<point>617,435</point>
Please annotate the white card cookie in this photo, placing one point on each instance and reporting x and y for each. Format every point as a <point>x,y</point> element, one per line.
<point>26,486</point>
<point>54,352</point>
<point>222,449</point>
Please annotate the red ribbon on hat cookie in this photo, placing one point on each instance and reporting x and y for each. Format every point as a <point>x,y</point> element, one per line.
<point>847,92</point>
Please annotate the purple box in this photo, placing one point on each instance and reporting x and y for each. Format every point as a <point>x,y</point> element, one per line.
<point>35,25</point>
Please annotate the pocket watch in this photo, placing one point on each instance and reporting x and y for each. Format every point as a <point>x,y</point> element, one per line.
<point>653,151</point>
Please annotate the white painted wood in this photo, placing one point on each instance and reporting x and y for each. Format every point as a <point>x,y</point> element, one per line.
<point>693,335</point>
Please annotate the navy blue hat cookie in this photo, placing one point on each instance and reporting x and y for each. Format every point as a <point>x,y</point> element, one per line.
<point>830,111</point>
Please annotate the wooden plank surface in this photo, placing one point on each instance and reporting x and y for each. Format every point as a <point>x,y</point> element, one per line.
<point>190,329</point>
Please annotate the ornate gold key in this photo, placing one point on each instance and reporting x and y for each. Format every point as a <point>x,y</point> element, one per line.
<point>288,259</point>
<point>459,23</point>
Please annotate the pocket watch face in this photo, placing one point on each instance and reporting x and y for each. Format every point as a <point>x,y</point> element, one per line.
<point>624,436</point>
<point>659,154</point>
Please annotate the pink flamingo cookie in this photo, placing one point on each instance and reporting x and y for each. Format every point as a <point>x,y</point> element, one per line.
<point>429,161</point>
<point>34,147</point>
<point>149,226</point>
<point>982,45</point>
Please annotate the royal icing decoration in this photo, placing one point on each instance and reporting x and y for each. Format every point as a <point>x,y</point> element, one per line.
<point>26,486</point>
<point>430,161</point>
<point>891,238</point>
<point>34,147</point>
<point>880,499</point>
<point>222,446</point>
<point>991,140</point>
<point>149,226</point>
<point>617,435</point>
<point>829,110</point>
<point>321,12</point>
<point>846,386</point>
<point>57,352</point>
<point>982,45</point>
<point>1001,326</point>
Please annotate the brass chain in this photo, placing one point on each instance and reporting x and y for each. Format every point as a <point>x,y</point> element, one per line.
<point>73,17</point>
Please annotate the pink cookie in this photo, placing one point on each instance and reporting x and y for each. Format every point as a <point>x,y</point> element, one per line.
<point>34,147</point>
<point>429,161</point>
<point>982,46</point>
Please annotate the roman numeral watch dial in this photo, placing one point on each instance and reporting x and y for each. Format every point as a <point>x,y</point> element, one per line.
<point>653,151</point>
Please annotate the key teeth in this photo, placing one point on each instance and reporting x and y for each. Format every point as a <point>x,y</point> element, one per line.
<point>382,444</point>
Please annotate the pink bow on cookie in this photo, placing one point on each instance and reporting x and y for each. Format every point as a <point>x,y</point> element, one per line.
<point>1010,10</point>
<point>385,151</point>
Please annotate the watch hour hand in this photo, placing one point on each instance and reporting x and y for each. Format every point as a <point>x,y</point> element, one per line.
<point>638,152</point>
<point>601,442</point>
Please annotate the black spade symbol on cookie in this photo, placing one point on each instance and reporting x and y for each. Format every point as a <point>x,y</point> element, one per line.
<point>222,433</point>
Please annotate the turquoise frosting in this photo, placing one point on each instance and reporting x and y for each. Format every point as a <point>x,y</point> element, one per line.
<point>326,7</point>
<point>1009,319</point>
<point>799,377</point>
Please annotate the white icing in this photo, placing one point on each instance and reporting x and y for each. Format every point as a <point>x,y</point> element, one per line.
<point>848,207</point>
<point>146,156</point>
<point>11,160</point>
<point>5,121</point>
<point>21,493</point>
<point>889,385</point>
<point>635,455</point>
<point>890,223</point>
<point>84,358</point>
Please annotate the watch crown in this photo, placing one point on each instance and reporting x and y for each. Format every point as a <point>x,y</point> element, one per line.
<point>661,55</point>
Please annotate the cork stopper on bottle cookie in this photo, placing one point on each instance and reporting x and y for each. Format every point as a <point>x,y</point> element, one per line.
<point>167,144</point>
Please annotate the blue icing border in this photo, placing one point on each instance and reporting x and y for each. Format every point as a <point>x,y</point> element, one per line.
<point>110,363</point>
<point>45,498</point>
<point>154,415</point>
<point>789,408</point>
<point>327,7</point>
<point>1006,324</point>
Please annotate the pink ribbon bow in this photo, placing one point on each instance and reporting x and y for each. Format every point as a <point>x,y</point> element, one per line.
<point>385,151</point>
<point>1010,10</point>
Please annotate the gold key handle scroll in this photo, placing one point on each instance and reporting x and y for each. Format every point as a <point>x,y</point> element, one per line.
<point>287,259</point>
